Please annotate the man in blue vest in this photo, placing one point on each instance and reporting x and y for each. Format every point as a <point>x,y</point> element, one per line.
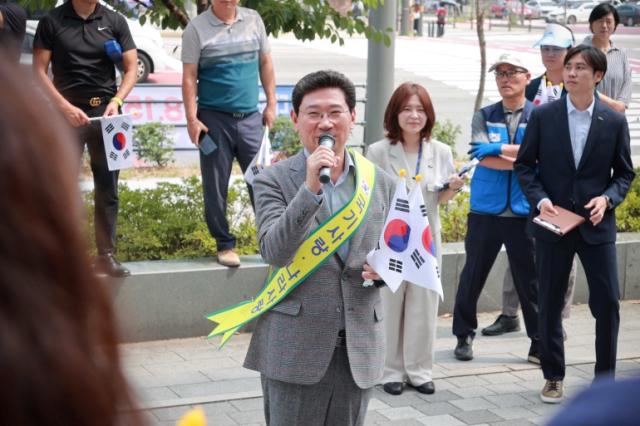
<point>499,210</point>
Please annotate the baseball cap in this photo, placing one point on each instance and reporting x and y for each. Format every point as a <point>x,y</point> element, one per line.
<point>556,35</point>
<point>508,58</point>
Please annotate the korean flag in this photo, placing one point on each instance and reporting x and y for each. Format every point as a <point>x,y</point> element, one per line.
<point>389,257</point>
<point>421,267</point>
<point>117,134</point>
<point>261,160</point>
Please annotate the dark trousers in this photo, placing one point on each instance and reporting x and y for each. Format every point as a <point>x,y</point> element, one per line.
<point>334,401</point>
<point>105,182</point>
<point>236,137</point>
<point>485,236</point>
<point>553,264</point>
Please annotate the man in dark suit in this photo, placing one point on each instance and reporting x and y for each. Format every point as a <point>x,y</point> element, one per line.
<point>576,155</point>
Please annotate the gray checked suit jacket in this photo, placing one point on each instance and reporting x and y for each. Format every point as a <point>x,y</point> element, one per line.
<point>295,341</point>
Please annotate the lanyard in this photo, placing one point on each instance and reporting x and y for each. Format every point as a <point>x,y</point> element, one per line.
<point>419,160</point>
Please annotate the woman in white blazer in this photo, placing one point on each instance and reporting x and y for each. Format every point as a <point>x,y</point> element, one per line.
<point>411,312</point>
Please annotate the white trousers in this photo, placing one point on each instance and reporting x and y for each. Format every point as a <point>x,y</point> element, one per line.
<point>410,318</point>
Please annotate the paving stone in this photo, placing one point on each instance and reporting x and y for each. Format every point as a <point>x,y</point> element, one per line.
<point>405,422</point>
<point>373,418</point>
<point>215,408</point>
<point>170,413</point>
<point>468,381</point>
<point>404,400</point>
<point>471,404</point>
<point>439,396</point>
<point>170,378</point>
<point>517,422</point>
<point>506,388</point>
<point>376,404</point>
<point>249,416</point>
<point>476,416</point>
<point>472,391</point>
<point>507,400</point>
<point>217,388</point>
<point>400,413</point>
<point>248,404</point>
<point>149,395</point>
<point>436,408</point>
<point>512,413</point>
<point>501,378</point>
<point>442,420</point>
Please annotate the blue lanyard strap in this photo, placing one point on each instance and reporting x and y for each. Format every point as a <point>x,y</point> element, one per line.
<point>419,160</point>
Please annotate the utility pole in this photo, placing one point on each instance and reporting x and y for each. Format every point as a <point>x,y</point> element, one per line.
<point>405,25</point>
<point>380,71</point>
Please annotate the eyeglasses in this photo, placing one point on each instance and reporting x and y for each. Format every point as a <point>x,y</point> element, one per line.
<point>511,74</point>
<point>555,50</point>
<point>316,116</point>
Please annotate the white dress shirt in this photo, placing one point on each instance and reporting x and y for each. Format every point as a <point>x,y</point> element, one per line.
<point>579,125</point>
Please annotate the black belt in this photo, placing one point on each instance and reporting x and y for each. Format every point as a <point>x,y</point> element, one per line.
<point>236,115</point>
<point>93,102</point>
<point>342,339</point>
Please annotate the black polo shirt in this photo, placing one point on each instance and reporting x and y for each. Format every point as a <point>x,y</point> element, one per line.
<point>81,68</point>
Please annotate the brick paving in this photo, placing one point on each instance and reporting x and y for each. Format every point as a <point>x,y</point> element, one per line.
<point>497,388</point>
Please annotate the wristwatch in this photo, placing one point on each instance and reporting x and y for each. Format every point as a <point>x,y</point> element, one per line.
<point>609,203</point>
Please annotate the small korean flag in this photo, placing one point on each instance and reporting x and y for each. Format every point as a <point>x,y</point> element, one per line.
<point>117,134</point>
<point>388,259</point>
<point>261,160</point>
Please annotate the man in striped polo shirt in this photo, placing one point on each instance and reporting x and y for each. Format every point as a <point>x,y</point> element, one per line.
<point>224,51</point>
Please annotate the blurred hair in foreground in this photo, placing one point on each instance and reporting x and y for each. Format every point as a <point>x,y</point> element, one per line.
<point>59,360</point>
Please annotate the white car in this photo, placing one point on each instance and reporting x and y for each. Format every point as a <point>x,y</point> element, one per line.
<point>575,13</point>
<point>541,8</point>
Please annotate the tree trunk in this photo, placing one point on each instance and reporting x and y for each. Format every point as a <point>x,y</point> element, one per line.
<point>483,54</point>
<point>175,11</point>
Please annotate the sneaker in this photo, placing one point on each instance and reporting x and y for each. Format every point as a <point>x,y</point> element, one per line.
<point>109,265</point>
<point>553,391</point>
<point>503,324</point>
<point>228,258</point>
<point>464,348</point>
<point>534,353</point>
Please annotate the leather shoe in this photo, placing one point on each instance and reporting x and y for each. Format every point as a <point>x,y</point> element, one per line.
<point>108,264</point>
<point>503,324</point>
<point>228,258</point>
<point>464,348</point>
<point>393,388</point>
<point>426,388</point>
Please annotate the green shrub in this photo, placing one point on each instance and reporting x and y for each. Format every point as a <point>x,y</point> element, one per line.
<point>453,218</point>
<point>167,222</point>
<point>628,213</point>
<point>447,132</point>
<point>152,143</point>
<point>284,137</point>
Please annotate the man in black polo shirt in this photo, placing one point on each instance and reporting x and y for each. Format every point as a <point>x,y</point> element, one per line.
<point>72,38</point>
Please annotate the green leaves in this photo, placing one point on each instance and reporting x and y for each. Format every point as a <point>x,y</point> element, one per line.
<point>153,143</point>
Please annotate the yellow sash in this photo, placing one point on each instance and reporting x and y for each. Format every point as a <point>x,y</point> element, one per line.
<point>313,252</point>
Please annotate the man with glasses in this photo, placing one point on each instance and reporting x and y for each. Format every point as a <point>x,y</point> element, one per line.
<point>498,209</point>
<point>315,233</point>
<point>224,49</point>
<point>555,42</point>
<point>576,155</point>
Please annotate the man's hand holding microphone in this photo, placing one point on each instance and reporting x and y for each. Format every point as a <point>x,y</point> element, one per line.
<point>320,162</point>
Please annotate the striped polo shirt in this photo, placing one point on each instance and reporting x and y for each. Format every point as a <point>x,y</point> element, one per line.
<point>228,58</point>
<point>616,82</point>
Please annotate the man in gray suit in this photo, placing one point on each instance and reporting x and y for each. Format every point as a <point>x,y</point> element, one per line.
<point>320,350</point>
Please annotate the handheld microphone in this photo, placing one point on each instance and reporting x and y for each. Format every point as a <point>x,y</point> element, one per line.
<point>325,172</point>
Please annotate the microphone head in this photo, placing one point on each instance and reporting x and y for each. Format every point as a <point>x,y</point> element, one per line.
<point>327,140</point>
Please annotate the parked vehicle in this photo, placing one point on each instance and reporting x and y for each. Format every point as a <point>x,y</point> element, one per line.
<point>502,8</point>
<point>541,8</point>
<point>629,14</point>
<point>575,13</point>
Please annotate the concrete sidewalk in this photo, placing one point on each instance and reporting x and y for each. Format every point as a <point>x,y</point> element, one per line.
<point>498,387</point>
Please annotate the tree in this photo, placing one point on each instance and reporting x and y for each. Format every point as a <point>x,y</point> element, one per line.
<point>480,11</point>
<point>306,19</point>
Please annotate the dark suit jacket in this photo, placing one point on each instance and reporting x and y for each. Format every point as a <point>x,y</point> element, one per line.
<point>546,168</point>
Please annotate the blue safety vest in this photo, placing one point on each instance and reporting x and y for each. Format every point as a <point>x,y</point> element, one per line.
<point>493,190</point>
